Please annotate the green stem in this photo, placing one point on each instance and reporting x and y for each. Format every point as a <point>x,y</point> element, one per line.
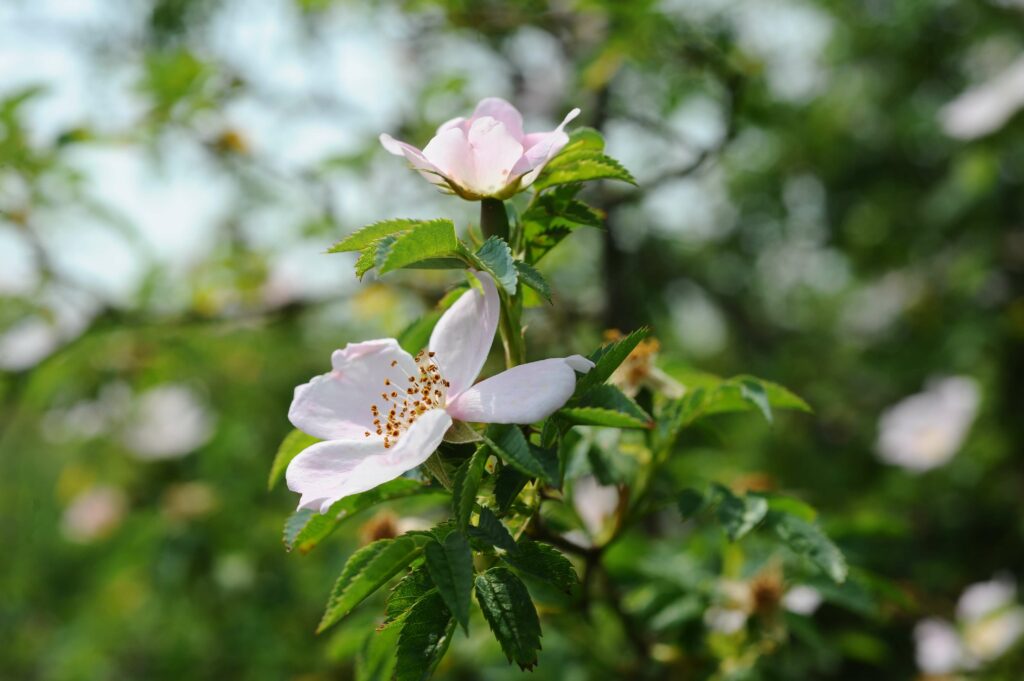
<point>494,222</point>
<point>493,218</point>
<point>512,329</point>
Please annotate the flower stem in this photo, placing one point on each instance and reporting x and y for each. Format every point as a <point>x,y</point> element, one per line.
<point>493,218</point>
<point>494,222</point>
<point>512,329</point>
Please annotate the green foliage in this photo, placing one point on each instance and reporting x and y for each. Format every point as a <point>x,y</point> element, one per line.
<point>377,658</point>
<point>544,562</point>
<point>606,360</point>
<point>450,564</point>
<point>393,244</point>
<point>740,515</point>
<point>509,443</point>
<point>368,569</point>
<point>409,589</point>
<point>582,160</point>
<point>606,405</point>
<point>509,611</point>
<point>531,277</point>
<point>552,216</point>
<point>507,486</point>
<point>292,444</point>
<point>496,257</point>
<point>465,485</point>
<point>491,532</point>
<point>306,528</point>
<point>770,235</point>
<point>790,520</point>
<point>416,336</point>
<point>426,634</point>
<point>806,539</point>
<point>371,234</point>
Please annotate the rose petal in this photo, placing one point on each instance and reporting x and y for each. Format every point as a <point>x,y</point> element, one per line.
<point>495,154</point>
<point>336,405</point>
<point>500,110</point>
<point>450,152</point>
<point>463,336</point>
<point>541,147</point>
<point>460,122</point>
<point>329,471</point>
<point>416,159</point>
<point>522,394</point>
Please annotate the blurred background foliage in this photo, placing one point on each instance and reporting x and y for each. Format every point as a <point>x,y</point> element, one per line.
<point>819,204</point>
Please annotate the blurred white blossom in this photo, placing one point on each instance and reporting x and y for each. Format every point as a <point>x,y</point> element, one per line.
<point>737,599</point>
<point>93,514</point>
<point>986,107</point>
<point>926,430</point>
<point>802,600</point>
<point>989,621</point>
<point>169,421</point>
<point>594,503</point>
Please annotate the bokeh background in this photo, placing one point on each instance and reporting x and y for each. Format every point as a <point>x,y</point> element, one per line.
<point>830,197</point>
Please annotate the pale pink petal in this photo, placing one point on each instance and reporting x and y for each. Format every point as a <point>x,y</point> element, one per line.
<point>336,405</point>
<point>329,471</point>
<point>461,122</point>
<point>541,147</point>
<point>450,152</point>
<point>464,334</point>
<point>500,110</point>
<point>495,153</point>
<point>416,159</point>
<point>523,394</point>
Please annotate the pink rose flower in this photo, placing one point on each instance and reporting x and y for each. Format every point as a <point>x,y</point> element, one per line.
<point>382,412</point>
<point>486,155</point>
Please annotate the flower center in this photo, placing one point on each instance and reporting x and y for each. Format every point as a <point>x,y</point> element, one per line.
<point>404,399</point>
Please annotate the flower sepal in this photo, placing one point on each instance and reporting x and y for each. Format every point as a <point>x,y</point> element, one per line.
<point>460,433</point>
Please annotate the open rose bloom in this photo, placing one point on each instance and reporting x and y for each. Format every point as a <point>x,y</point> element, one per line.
<point>486,155</point>
<point>382,412</point>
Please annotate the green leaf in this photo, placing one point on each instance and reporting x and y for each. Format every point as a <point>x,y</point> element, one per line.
<point>581,138</point>
<point>509,611</point>
<point>451,567</point>
<point>430,239</point>
<point>370,234</point>
<point>426,634</point>
<point>367,570</point>
<point>496,257</point>
<point>465,486</point>
<point>367,260</point>
<point>543,562</point>
<point>554,215</point>
<point>740,515</point>
<point>508,442</point>
<point>376,660</point>
<point>410,589</point>
<point>606,405</point>
<point>691,502</point>
<point>754,392</point>
<point>416,336</point>
<point>293,443</point>
<point>306,528</point>
<point>744,393</point>
<point>507,486</point>
<point>584,168</point>
<point>806,539</point>
<point>607,359</point>
<point>777,502</point>
<point>534,279</point>
<point>490,530</point>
